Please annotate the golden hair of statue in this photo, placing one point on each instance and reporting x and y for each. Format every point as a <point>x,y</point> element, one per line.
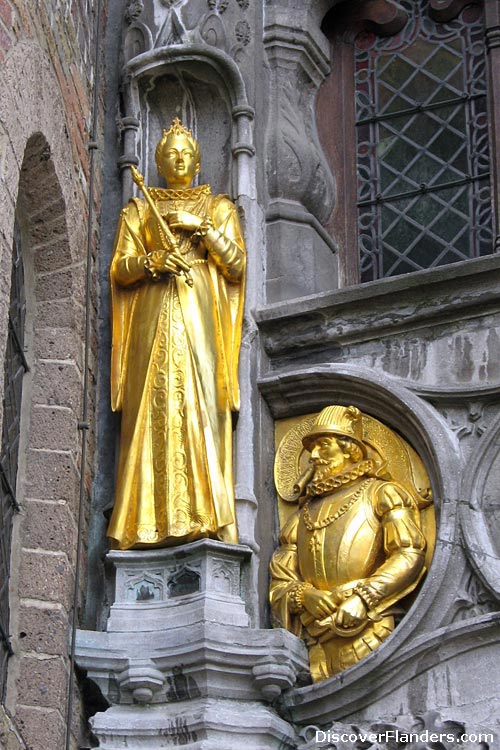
<point>357,534</point>
<point>177,278</point>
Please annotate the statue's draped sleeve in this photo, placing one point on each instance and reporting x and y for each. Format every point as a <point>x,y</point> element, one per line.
<point>127,269</point>
<point>227,269</point>
<point>285,576</point>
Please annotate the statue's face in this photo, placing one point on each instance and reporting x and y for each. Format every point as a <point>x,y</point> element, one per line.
<point>177,163</point>
<point>327,451</point>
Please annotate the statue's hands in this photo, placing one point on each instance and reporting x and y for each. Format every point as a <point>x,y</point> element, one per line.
<point>184,220</point>
<point>160,262</point>
<point>319,603</point>
<point>351,613</point>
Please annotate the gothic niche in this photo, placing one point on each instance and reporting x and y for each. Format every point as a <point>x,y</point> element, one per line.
<point>185,581</point>
<point>198,98</point>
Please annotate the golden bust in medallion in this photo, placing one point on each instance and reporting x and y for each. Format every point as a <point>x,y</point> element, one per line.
<point>177,279</point>
<point>359,541</point>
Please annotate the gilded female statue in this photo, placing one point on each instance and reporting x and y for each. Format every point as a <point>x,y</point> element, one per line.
<point>177,279</point>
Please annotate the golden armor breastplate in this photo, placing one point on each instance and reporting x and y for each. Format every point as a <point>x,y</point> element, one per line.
<point>340,538</point>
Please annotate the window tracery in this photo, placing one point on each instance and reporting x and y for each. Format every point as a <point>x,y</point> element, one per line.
<point>420,137</point>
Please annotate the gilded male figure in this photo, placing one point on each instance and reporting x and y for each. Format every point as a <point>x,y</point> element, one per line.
<point>352,550</point>
<point>176,339</point>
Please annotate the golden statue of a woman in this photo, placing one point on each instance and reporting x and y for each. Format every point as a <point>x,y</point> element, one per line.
<point>177,296</point>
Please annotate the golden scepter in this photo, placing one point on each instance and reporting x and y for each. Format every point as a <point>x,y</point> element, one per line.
<point>170,244</point>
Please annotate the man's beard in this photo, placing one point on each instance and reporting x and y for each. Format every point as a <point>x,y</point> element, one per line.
<point>323,469</point>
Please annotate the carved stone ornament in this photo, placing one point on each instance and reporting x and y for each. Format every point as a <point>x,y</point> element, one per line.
<point>303,174</point>
<point>473,599</point>
<point>242,32</point>
<point>133,10</point>
<point>218,5</point>
<point>425,731</point>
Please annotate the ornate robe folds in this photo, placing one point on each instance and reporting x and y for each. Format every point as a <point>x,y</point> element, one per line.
<point>174,375</point>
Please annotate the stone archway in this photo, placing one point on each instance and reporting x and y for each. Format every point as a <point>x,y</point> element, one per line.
<point>46,191</point>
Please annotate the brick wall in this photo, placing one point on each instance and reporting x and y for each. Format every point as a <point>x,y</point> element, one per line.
<point>47,72</point>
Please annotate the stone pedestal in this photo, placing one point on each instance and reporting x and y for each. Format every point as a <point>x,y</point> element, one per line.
<point>168,588</point>
<point>178,662</point>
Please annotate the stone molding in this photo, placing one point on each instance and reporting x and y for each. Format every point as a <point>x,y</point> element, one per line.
<point>424,725</point>
<point>298,56</point>
<point>481,539</point>
<point>367,312</point>
<point>188,653</point>
<point>379,676</point>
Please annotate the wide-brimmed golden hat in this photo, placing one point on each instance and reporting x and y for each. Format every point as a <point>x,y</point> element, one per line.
<point>337,421</point>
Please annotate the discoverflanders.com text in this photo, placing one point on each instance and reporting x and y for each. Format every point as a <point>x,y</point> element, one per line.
<point>399,736</point>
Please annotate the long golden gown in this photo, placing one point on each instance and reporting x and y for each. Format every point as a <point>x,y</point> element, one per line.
<point>174,375</point>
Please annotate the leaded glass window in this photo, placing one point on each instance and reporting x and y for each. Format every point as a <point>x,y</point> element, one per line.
<point>15,368</point>
<point>422,144</point>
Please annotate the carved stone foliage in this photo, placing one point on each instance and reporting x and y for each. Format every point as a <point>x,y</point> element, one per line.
<point>427,731</point>
<point>133,10</point>
<point>242,32</point>
<point>298,57</point>
<point>480,511</point>
<point>468,419</point>
<point>218,5</point>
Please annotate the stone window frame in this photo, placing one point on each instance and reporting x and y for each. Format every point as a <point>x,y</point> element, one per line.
<point>336,118</point>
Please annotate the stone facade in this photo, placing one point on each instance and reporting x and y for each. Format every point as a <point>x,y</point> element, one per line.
<point>420,352</point>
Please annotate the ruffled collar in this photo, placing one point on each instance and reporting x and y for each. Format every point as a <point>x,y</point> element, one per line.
<point>169,194</point>
<point>333,482</point>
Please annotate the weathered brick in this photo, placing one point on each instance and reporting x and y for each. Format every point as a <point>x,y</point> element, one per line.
<point>5,42</point>
<point>57,384</point>
<point>45,576</point>
<point>55,285</point>
<point>53,255</point>
<point>61,310</point>
<point>53,428</point>
<point>43,681</point>
<point>41,728</point>
<point>51,475</point>
<point>43,631</point>
<point>6,13</point>
<point>57,343</point>
<point>49,526</point>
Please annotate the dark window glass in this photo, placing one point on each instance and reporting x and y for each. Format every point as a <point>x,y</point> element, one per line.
<point>14,370</point>
<point>422,144</point>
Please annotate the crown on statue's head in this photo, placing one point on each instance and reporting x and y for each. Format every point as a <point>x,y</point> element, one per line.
<point>177,128</point>
<point>174,131</point>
